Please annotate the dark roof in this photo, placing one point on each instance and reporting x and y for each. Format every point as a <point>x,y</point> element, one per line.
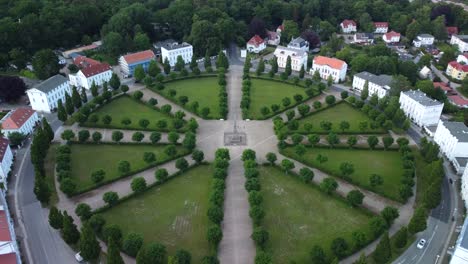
<point>51,83</point>
<point>424,35</point>
<point>382,80</point>
<point>458,130</point>
<point>175,45</point>
<point>462,161</point>
<point>463,37</point>
<point>4,145</point>
<point>422,98</point>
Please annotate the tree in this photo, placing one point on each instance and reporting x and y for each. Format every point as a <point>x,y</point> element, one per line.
<point>377,225</point>
<point>400,238</point>
<point>198,156</point>
<point>317,255</point>
<point>260,236</point>
<point>111,198</point>
<point>214,235</point>
<point>166,66</point>
<point>303,109</point>
<point>124,167</point>
<point>139,73</point>
<point>182,164</point>
<point>97,136</point>
<point>114,81</point>
<point>141,41</point>
<point>359,239</point>
<point>69,107</point>
<point>287,165</point>
<point>61,113</point>
<point>70,233</point>
<point>355,198</point>
<point>321,158</point>
<point>182,256</point>
<point>288,69</point>
<point>306,174</point>
<point>98,176</point>
<point>365,91</point>
<point>352,141</point>
<point>344,125</point>
<point>302,72</point>
<point>68,135</point>
<point>291,29</point>
<point>45,64</point>
<point>113,253</point>
<point>372,141</point>
<point>89,246</point>
<point>271,158</point>
<point>387,141</point>
<point>375,180</point>
<point>389,214</point>
<point>138,184</point>
<point>132,243</point>
<point>346,168</point>
<point>153,253</point>
<point>274,65</point>
<point>383,252</point>
<point>83,210</point>
<point>138,136</point>
<point>83,135</point>
<point>418,221</point>
<point>180,63</point>
<point>55,218</point>
<point>339,246</point>
<point>222,61</point>
<point>438,28</point>
<point>333,139</point>
<point>328,185</point>
<point>314,139</point>
<point>263,257</point>
<point>330,99</point>
<point>260,67</point>
<point>16,138</point>
<point>117,136</point>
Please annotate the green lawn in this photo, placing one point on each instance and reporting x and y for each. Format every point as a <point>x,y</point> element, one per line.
<point>266,93</point>
<point>387,164</point>
<point>336,114</point>
<point>87,158</point>
<point>204,90</point>
<point>126,107</point>
<point>299,216</point>
<point>173,213</point>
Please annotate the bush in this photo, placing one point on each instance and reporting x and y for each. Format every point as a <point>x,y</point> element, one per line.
<point>161,175</point>
<point>132,244</point>
<point>111,198</point>
<point>98,176</point>
<point>138,184</point>
<point>113,231</point>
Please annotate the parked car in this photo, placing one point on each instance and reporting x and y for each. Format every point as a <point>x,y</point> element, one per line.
<point>421,244</point>
<point>79,258</point>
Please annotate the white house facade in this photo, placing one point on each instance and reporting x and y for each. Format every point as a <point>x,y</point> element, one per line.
<point>391,37</point>
<point>326,67</point>
<point>44,96</point>
<point>452,138</point>
<point>461,41</point>
<point>6,159</point>
<point>256,44</point>
<point>423,40</point>
<point>97,74</point>
<point>464,190</point>
<point>21,120</point>
<point>348,26</point>
<point>273,38</point>
<point>174,50</point>
<point>381,27</point>
<point>298,58</point>
<point>376,84</point>
<point>460,254</point>
<point>421,109</point>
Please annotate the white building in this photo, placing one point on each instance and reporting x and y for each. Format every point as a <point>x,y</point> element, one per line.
<point>273,38</point>
<point>329,67</point>
<point>97,74</point>
<point>21,120</point>
<point>174,50</point>
<point>463,58</point>
<point>461,41</point>
<point>9,250</point>
<point>363,38</point>
<point>425,73</point>
<point>381,27</point>
<point>6,160</point>
<point>391,37</point>
<point>422,40</point>
<point>44,96</point>
<point>464,189</point>
<point>421,109</point>
<point>298,57</point>
<point>452,138</point>
<point>460,255</point>
<point>348,26</point>
<point>256,44</point>
<point>377,84</point>
<point>299,44</point>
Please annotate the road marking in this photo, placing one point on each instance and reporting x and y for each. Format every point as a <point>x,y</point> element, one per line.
<point>17,211</point>
<point>414,257</point>
<point>428,243</point>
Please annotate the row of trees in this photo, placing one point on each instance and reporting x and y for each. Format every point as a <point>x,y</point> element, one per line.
<point>223,101</point>
<point>39,149</point>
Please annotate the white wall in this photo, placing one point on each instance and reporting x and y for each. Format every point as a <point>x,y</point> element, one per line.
<point>185,52</point>
<point>358,84</point>
<point>420,114</point>
<point>5,165</point>
<point>325,71</point>
<point>46,102</point>
<point>26,128</point>
<point>461,45</point>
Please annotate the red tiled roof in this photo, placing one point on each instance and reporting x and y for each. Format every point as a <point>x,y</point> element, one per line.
<point>391,34</point>
<point>452,30</point>
<point>256,41</point>
<point>346,23</point>
<point>458,100</point>
<point>9,258</point>
<point>332,62</point>
<point>139,56</point>
<point>4,229</point>
<point>280,27</point>
<point>83,61</point>
<point>381,24</point>
<point>442,86</point>
<point>17,118</point>
<point>4,145</point>
<point>458,66</point>
<point>95,69</point>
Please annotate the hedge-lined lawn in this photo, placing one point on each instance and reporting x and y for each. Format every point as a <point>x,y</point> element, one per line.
<point>173,214</point>
<point>126,107</point>
<point>299,216</point>
<point>266,93</point>
<point>203,90</point>
<point>335,114</point>
<point>387,164</point>
<point>87,158</point>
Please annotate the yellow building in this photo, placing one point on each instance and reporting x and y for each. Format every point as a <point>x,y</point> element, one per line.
<point>457,70</point>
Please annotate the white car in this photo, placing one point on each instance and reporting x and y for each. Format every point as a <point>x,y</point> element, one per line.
<point>78,257</point>
<point>421,243</point>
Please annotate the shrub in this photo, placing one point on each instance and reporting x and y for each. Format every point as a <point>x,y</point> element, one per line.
<point>132,243</point>
<point>138,184</point>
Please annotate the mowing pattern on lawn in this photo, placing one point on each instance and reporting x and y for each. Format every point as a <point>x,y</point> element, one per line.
<point>173,214</point>
<point>299,216</point>
<point>88,158</point>
<point>336,114</point>
<point>125,107</point>
<point>387,164</point>
<point>264,93</point>
<point>203,90</point>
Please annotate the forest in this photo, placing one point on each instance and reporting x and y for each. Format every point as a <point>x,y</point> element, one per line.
<point>29,26</point>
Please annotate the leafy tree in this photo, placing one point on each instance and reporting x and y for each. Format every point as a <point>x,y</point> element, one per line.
<point>287,165</point>
<point>97,136</point>
<point>389,214</point>
<point>55,218</point>
<point>182,164</point>
<point>317,255</point>
<point>260,236</point>
<point>132,243</point>
<point>180,63</point>
<point>339,247</point>
<point>67,135</point>
<point>16,138</point>
<point>375,180</point>
<point>377,225</point>
<point>365,91</point>
<point>383,251</point>
<point>271,158</point>
<point>97,222</point>
<point>139,73</point>
<point>153,69</point>
<point>107,119</point>
<point>113,253</point>
<point>70,233</point>
<point>83,210</point>
<point>352,141</point>
<point>138,136</point>
<point>314,139</point>
<point>155,137</point>
<point>400,238</point>
<point>274,65</point>
<point>355,197</point>
<point>214,235</point>
<point>372,141</point>
<point>263,257</point>
<point>98,176</point>
<point>306,174</point>
<point>387,141</point>
<point>344,125</point>
<point>346,168</point>
<point>288,70</point>
<point>182,256</point>
<point>161,175</point>
<point>153,253</point>
<point>114,81</point>
<point>333,139</point>
<point>89,246</point>
<point>198,156</point>
<point>124,167</point>
<point>110,198</point>
<point>76,99</point>
<point>69,107</point>
<point>45,64</point>
<point>359,239</point>
<point>83,135</point>
<point>418,221</point>
<point>166,66</point>
<point>117,136</point>
<point>138,184</point>
<point>321,158</point>
<point>61,113</point>
<point>328,185</point>
<point>124,88</point>
<point>303,109</point>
